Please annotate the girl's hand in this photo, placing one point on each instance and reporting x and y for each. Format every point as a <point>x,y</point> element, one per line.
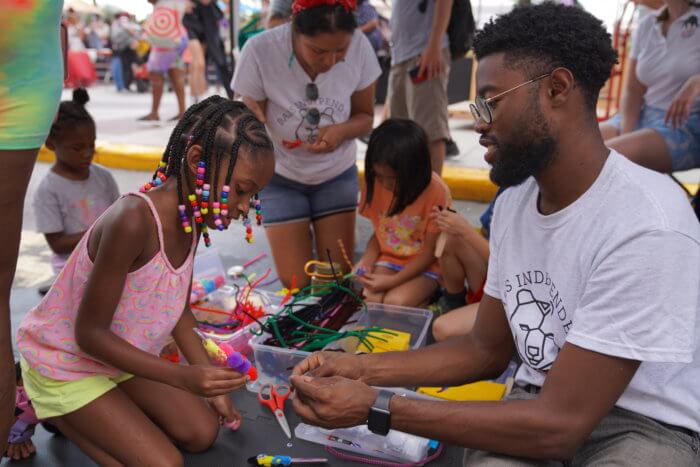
<point>328,139</point>
<point>361,269</point>
<point>207,381</point>
<point>679,110</point>
<point>228,414</point>
<point>378,282</point>
<point>449,222</point>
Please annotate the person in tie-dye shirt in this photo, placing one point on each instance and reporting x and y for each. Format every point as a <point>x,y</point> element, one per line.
<point>31,75</point>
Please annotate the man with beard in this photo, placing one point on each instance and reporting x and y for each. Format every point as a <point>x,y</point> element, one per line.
<point>593,279</point>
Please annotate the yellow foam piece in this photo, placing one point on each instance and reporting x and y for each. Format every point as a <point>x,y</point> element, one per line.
<point>395,341</point>
<point>481,391</point>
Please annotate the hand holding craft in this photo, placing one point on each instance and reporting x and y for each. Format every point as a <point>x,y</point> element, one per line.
<point>449,221</point>
<point>378,282</point>
<point>328,139</point>
<point>333,402</point>
<point>330,364</point>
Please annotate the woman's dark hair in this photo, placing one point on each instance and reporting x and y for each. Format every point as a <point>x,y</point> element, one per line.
<point>70,113</point>
<point>401,145</point>
<point>221,127</point>
<point>324,18</point>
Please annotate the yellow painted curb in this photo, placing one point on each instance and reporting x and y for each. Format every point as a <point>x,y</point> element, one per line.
<point>119,156</point>
<point>465,184</point>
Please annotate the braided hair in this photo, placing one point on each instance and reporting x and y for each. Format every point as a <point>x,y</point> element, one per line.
<point>210,124</point>
<point>70,113</point>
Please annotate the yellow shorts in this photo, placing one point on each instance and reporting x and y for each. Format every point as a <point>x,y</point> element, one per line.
<point>53,398</point>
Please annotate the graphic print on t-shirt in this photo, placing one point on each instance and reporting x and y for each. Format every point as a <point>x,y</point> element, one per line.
<point>310,116</point>
<point>537,317</point>
<point>401,233</point>
<point>689,26</point>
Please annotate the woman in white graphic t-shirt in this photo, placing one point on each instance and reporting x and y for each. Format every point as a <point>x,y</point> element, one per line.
<point>658,125</point>
<point>312,82</point>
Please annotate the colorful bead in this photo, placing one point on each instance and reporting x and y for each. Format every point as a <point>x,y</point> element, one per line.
<point>192,197</point>
<point>216,211</point>
<point>183,218</point>
<point>224,212</point>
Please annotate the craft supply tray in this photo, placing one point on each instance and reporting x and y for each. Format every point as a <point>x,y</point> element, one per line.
<point>275,364</point>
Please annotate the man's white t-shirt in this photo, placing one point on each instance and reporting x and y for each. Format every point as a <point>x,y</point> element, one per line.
<point>615,272</point>
<point>268,70</point>
<point>664,64</point>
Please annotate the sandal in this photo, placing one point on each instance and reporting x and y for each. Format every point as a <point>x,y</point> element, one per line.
<point>23,429</point>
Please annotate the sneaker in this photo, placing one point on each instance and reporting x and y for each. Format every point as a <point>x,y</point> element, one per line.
<point>451,149</point>
<point>447,304</point>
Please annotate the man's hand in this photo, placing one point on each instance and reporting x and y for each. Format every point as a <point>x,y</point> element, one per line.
<point>320,364</point>
<point>333,402</point>
<point>431,62</point>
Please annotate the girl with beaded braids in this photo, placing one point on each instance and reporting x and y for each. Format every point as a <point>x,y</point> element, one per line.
<point>89,350</point>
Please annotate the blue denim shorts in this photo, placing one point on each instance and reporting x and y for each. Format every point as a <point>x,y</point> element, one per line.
<point>285,201</point>
<point>683,143</point>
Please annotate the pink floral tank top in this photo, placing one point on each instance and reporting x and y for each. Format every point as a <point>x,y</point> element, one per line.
<point>150,306</point>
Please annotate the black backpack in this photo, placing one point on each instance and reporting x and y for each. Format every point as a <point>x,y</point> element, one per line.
<point>460,30</point>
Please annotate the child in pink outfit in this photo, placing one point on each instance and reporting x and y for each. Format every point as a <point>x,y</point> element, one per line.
<point>89,350</point>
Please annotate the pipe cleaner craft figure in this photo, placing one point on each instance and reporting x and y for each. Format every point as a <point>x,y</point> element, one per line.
<point>125,290</point>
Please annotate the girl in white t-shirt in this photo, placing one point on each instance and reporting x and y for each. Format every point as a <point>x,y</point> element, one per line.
<point>312,83</point>
<point>658,125</point>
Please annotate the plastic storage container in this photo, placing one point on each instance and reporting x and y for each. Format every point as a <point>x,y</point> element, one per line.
<point>275,364</point>
<point>396,446</point>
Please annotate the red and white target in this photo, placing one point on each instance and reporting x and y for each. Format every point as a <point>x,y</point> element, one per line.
<point>164,23</point>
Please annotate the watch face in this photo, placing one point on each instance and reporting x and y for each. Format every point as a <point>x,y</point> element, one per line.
<point>379,421</point>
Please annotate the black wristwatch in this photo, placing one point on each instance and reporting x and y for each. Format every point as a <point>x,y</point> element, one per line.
<point>379,420</point>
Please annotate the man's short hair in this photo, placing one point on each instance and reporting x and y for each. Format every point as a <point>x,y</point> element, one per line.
<point>543,37</point>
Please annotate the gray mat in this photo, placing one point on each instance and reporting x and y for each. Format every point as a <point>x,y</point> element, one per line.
<point>258,434</point>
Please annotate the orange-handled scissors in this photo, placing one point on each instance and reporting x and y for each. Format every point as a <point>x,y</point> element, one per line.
<point>273,396</point>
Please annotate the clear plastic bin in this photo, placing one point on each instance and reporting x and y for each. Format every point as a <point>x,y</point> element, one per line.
<point>396,446</point>
<point>275,364</point>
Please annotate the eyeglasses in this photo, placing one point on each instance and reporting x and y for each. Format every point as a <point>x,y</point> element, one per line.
<point>313,116</point>
<point>481,108</point>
